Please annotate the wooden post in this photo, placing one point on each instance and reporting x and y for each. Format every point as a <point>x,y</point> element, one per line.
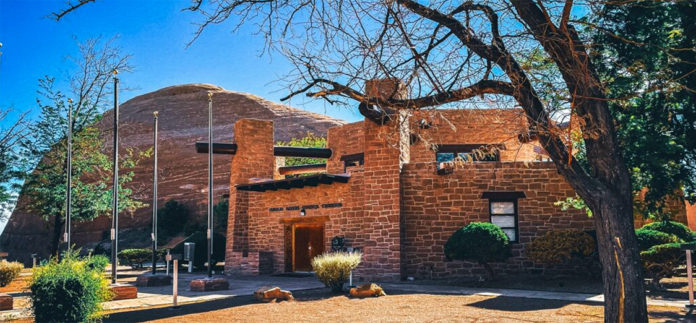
<point>175,283</point>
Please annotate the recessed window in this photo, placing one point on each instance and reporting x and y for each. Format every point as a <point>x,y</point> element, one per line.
<point>504,214</point>
<point>467,153</point>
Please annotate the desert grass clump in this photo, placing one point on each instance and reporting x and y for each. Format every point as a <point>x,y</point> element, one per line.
<point>333,269</point>
<point>9,271</point>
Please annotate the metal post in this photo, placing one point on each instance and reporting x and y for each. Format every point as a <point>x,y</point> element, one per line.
<point>175,283</point>
<point>210,184</point>
<point>68,191</point>
<point>689,274</point>
<point>114,218</point>
<point>154,201</point>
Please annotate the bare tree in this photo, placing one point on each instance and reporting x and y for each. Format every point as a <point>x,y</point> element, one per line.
<point>449,51</point>
<point>11,137</point>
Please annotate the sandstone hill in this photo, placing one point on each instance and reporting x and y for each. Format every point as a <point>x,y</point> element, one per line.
<point>183,120</point>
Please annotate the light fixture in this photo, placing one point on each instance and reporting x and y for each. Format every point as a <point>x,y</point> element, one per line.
<point>303,212</point>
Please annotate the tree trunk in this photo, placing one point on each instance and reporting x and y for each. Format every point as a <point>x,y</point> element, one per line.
<point>55,239</point>
<point>622,274</point>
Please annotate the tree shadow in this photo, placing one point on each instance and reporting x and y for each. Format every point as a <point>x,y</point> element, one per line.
<point>512,304</point>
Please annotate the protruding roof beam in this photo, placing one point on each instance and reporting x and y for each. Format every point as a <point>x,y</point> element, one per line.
<point>280,151</point>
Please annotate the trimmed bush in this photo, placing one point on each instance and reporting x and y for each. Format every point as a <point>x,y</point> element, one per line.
<point>333,269</point>
<point>648,238</point>
<point>9,271</point>
<point>200,253</point>
<point>135,257</point>
<point>556,247</point>
<point>481,242</point>
<point>97,262</point>
<point>671,227</point>
<point>68,291</point>
<point>660,261</point>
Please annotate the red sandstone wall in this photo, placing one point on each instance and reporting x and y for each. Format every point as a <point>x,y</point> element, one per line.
<point>344,140</point>
<point>434,206</point>
<point>254,159</point>
<point>471,126</point>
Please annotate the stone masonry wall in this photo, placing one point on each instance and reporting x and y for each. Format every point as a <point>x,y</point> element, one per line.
<point>344,140</point>
<point>434,206</point>
<point>471,126</point>
<point>254,159</point>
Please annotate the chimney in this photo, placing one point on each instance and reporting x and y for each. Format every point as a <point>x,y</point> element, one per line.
<point>387,88</point>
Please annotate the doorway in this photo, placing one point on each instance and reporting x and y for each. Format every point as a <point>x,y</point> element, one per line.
<point>307,243</point>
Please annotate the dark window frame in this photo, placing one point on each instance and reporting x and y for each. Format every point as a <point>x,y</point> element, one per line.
<point>516,215</point>
<point>468,149</point>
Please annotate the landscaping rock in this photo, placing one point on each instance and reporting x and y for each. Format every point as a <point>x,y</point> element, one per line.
<point>5,302</point>
<point>367,290</point>
<point>150,280</point>
<point>209,284</point>
<point>122,291</point>
<point>269,294</point>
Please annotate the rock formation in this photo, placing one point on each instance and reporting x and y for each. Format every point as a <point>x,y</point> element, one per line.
<point>183,120</point>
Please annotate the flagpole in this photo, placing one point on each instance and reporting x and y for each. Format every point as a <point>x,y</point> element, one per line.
<point>68,194</point>
<point>114,223</point>
<point>154,199</point>
<point>210,184</point>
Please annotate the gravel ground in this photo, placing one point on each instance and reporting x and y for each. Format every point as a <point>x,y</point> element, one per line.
<point>321,306</point>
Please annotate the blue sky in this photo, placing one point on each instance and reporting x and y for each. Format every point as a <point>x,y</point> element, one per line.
<point>155,32</point>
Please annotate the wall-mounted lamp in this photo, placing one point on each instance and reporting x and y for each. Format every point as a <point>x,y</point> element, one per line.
<point>302,212</point>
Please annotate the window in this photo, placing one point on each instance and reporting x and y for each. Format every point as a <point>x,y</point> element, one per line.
<point>468,152</point>
<point>504,214</point>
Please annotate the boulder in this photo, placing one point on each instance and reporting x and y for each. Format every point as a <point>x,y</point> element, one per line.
<point>367,290</point>
<point>270,294</point>
<point>209,284</point>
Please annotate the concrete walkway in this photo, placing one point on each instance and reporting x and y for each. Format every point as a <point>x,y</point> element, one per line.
<point>240,285</point>
<point>563,296</point>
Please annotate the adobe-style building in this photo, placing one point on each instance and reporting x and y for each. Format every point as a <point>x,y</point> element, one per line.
<point>389,191</point>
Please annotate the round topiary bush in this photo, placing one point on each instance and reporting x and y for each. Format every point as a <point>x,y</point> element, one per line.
<point>648,238</point>
<point>671,227</point>
<point>661,261</point>
<point>333,269</point>
<point>68,291</point>
<point>481,242</point>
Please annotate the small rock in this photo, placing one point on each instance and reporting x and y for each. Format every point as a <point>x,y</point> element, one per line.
<point>367,290</point>
<point>269,294</point>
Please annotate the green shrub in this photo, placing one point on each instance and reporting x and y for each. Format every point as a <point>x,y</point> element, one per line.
<point>68,291</point>
<point>481,242</point>
<point>660,261</point>
<point>171,219</point>
<point>648,238</point>
<point>200,252</point>
<point>9,271</point>
<point>98,262</point>
<point>671,227</point>
<point>555,247</point>
<point>333,269</point>
<point>135,257</point>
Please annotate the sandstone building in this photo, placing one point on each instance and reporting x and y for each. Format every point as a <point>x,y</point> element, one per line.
<point>389,191</point>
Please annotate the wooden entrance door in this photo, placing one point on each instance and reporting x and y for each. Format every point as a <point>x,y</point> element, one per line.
<point>308,243</point>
